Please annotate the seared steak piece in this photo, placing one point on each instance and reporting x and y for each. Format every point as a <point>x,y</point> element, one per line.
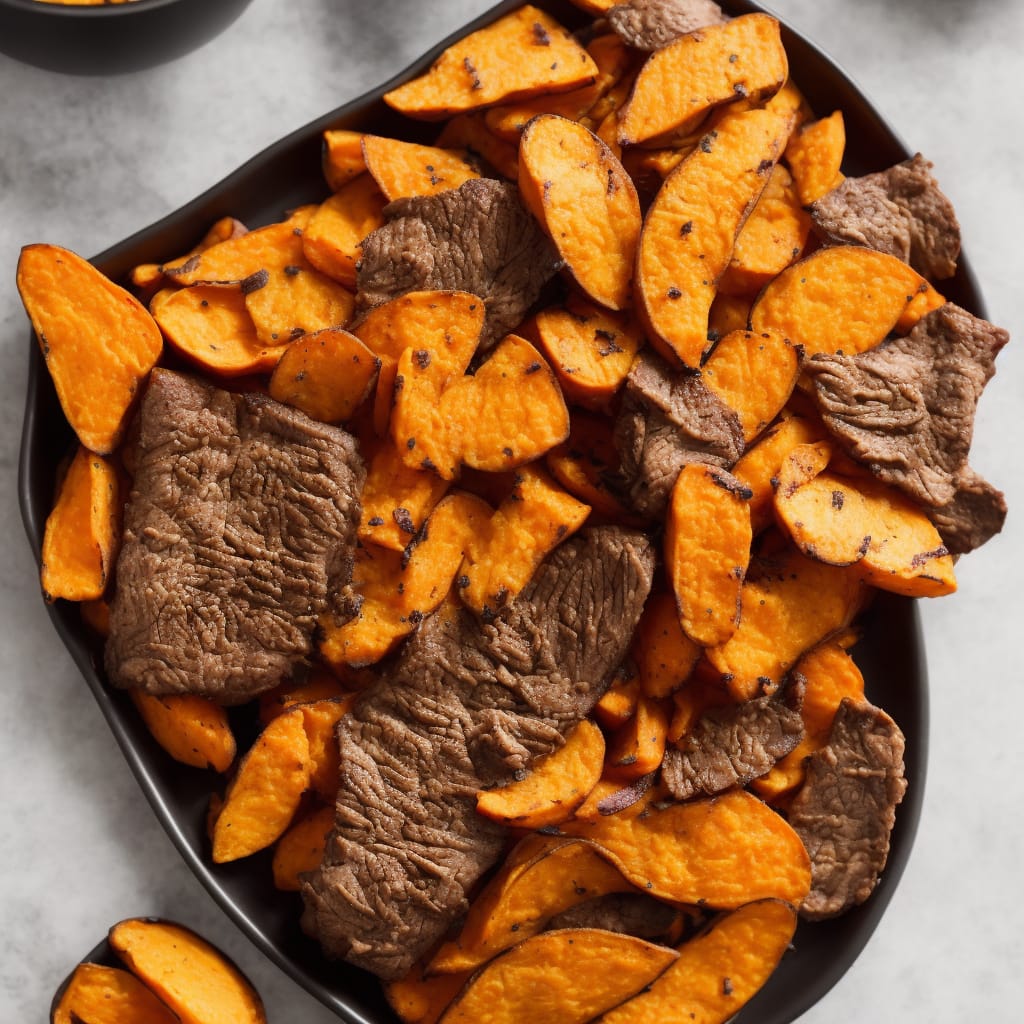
<point>667,419</point>
<point>729,746</point>
<point>238,534</point>
<point>901,211</point>
<point>467,704</point>
<point>974,516</point>
<point>906,407</point>
<point>845,811</point>
<point>652,24</point>
<point>629,913</point>
<point>477,238</point>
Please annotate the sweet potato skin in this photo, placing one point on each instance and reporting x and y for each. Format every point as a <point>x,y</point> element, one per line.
<point>97,994</point>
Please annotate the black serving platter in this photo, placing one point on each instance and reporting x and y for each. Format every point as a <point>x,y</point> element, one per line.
<point>286,175</point>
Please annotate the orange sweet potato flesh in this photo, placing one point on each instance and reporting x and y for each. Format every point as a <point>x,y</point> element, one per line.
<point>264,794</point>
<point>707,548</point>
<point>301,848</point>
<point>327,375</point>
<point>690,229</point>
<point>421,999</point>
<point>522,54</point>
<point>681,82</point>
<point>470,131</point>
<point>82,533</point>
<point>556,785</point>
<point>637,747</point>
<point>411,169</point>
<point>320,719</point>
<point>701,692</point>
<point>721,852</point>
<point>96,994</point>
<point>815,154</point>
<point>718,971</point>
<point>320,685</point>
<point>503,554</point>
<point>97,340</point>
<point>618,703</point>
<point>146,277</point>
<point>238,257</point>
<point>342,157</point>
<point>788,604</point>
<point>570,980</point>
<point>728,313</point>
<point>191,728</point>
<point>586,202</point>
<point>295,300</point>
<point>665,655</point>
<point>193,978</point>
<point>844,298</point>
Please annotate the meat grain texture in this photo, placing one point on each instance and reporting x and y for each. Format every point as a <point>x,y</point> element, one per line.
<point>651,24</point>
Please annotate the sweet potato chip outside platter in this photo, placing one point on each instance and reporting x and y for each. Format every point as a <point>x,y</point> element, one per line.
<point>522,54</point>
<point>301,848</point>
<point>97,340</point>
<point>721,852</point>
<point>264,794</point>
<point>569,979</point>
<point>410,169</point>
<point>585,201</point>
<point>195,980</point>
<point>556,785</point>
<point>97,994</point>
<point>285,304</point>
<point>690,229</point>
<point>815,154</point>
<point>742,58</point>
<point>707,548</point>
<point>191,728</point>
<point>82,534</point>
<point>665,655</point>
<point>327,375</point>
<point>718,971</point>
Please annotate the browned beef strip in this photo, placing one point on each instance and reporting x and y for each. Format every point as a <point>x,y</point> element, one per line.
<point>906,407</point>
<point>238,534</point>
<point>901,211</point>
<point>729,746</point>
<point>667,419</point>
<point>467,704</point>
<point>477,238</point>
<point>652,24</point>
<point>845,811</point>
<point>629,913</point>
<point>974,516</point>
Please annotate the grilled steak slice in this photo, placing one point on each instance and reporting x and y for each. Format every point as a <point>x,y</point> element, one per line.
<point>974,516</point>
<point>238,535</point>
<point>730,746</point>
<point>906,407</point>
<point>467,704</point>
<point>667,419</point>
<point>477,238</point>
<point>651,24</point>
<point>845,811</point>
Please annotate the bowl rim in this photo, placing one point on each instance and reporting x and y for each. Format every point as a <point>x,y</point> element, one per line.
<point>94,10</point>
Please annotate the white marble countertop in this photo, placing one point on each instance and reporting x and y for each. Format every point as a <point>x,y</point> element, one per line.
<point>86,162</point>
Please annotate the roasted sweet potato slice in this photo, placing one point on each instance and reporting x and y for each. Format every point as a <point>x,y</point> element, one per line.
<point>718,971</point>
<point>319,685</point>
<point>701,692</point>
<point>301,848</point>
<point>665,655</point>
<point>320,719</point>
<point>193,978</point>
<point>636,748</point>
<point>328,375</point>
<point>421,999</point>
<point>569,979</point>
<point>615,796</point>
<point>238,257</point>
<point>555,786</point>
<point>728,313</point>
<point>264,794</point>
<point>505,551</point>
<point>147,277</point>
<point>296,300</point>
<point>815,154</point>
<point>618,703</point>
<point>522,54</point>
<point>82,533</point>
<point>690,229</point>
<point>586,202</point>
<point>342,157</point>
<point>707,548</point>
<point>844,298</point>
<point>723,852</point>
<point>470,131</point>
<point>411,169</point>
<point>191,728</point>
<point>97,994</point>
<point>97,340</point>
<point>681,82</point>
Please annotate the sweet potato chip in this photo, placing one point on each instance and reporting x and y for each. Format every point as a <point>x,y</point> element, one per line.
<point>285,304</point>
<point>320,719</point>
<point>97,340</point>
<point>555,786</point>
<point>504,552</point>
<point>637,747</point>
<point>470,131</point>
<point>690,228</point>
<point>264,794</point>
<point>723,852</point>
<point>728,313</point>
<point>707,547</point>
<point>97,994</point>
<point>524,53</point>
<point>96,615</point>
<point>147,277</point>
<point>410,169</point>
<point>701,692</point>
<point>815,154</point>
<point>191,728</point>
<point>327,375</point>
<point>421,999</point>
<point>618,703</point>
<point>615,796</point>
<point>319,685</point>
<point>342,157</point>
<point>585,201</point>
<point>741,58</point>
<point>718,971</point>
<point>570,982</point>
<point>301,848</point>
<point>82,533</point>
<point>665,655</point>
<point>195,980</point>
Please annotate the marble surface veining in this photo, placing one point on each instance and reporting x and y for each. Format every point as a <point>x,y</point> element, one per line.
<point>84,162</point>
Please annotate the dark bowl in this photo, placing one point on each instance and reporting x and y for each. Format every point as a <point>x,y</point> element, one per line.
<point>287,175</point>
<point>107,39</point>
